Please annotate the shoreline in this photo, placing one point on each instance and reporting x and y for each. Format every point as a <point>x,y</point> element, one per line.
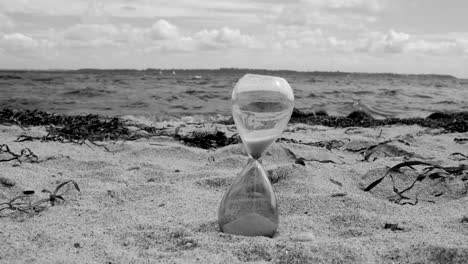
<point>151,194</point>
<point>95,127</point>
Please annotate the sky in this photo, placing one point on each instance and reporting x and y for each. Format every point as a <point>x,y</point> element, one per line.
<point>398,36</point>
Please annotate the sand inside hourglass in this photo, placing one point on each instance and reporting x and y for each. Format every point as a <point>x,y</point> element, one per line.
<point>258,141</point>
<point>251,225</point>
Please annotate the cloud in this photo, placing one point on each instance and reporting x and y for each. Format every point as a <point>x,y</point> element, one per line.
<point>87,32</point>
<point>162,29</point>
<point>344,14</point>
<point>378,42</point>
<point>96,35</point>
<point>5,22</point>
<point>128,8</point>
<point>89,35</point>
<point>453,47</point>
<point>394,42</point>
<point>208,40</point>
<point>361,6</point>
<point>225,38</point>
<point>184,44</point>
<point>18,42</point>
<point>312,40</point>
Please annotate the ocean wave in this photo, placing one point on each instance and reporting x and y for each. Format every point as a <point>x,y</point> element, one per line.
<point>88,92</point>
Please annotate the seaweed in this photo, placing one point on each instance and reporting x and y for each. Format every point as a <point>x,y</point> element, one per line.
<point>7,182</point>
<point>427,172</point>
<point>19,204</point>
<point>207,140</point>
<point>24,153</point>
<point>90,128</point>
<point>393,227</point>
<point>460,140</point>
<point>65,128</point>
<point>450,122</point>
<point>396,168</point>
<point>82,128</point>
<point>53,195</point>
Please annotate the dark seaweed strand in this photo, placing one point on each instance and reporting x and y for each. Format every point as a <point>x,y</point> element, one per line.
<point>69,128</point>
<point>450,122</point>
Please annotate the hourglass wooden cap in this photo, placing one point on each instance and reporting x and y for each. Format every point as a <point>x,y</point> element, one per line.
<point>257,82</point>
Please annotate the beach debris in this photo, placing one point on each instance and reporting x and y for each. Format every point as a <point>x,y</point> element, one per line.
<point>303,237</point>
<point>444,176</point>
<point>211,159</point>
<point>393,227</point>
<point>280,173</point>
<point>25,155</point>
<point>53,196</point>
<point>181,241</point>
<point>7,182</point>
<point>407,139</point>
<point>300,161</point>
<point>338,194</point>
<point>464,219</point>
<point>359,115</point>
<point>207,139</point>
<point>22,203</point>
<point>16,204</point>
<point>301,153</point>
<point>450,122</point>
<point>458,156</point>
<point>359,145</point>
<point>336,182</point>
<point>461,140</point>
<point>76,129</point>
<point>384,149</point>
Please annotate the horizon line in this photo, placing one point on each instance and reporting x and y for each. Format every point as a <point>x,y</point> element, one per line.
<point>227,68</point>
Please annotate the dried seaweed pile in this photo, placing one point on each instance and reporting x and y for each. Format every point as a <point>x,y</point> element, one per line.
<point>78,129</point>
<point>66,128</point>
<point>207,140</point>
<point>454,122</point>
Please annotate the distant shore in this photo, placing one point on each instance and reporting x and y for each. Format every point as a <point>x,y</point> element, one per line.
<point>231,71</point>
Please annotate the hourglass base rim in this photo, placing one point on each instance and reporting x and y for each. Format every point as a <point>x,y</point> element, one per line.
<point>251,224</point>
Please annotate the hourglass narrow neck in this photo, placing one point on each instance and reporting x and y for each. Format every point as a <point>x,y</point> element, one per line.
<point>252,160</point>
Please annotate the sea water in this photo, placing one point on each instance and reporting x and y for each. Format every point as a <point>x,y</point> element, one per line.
<point>163,97</point>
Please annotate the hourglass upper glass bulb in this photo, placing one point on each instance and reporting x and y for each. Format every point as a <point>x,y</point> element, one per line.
<point>261,108</point>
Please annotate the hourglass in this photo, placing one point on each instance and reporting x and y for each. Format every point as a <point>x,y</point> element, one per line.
<point>261,107</point>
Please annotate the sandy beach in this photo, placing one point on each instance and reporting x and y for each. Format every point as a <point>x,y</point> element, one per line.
<point>155,199</point>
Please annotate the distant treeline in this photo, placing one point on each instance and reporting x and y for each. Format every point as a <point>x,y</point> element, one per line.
<point>233,71</point>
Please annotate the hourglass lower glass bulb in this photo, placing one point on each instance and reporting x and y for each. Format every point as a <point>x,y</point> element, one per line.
<point>249,207</point>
